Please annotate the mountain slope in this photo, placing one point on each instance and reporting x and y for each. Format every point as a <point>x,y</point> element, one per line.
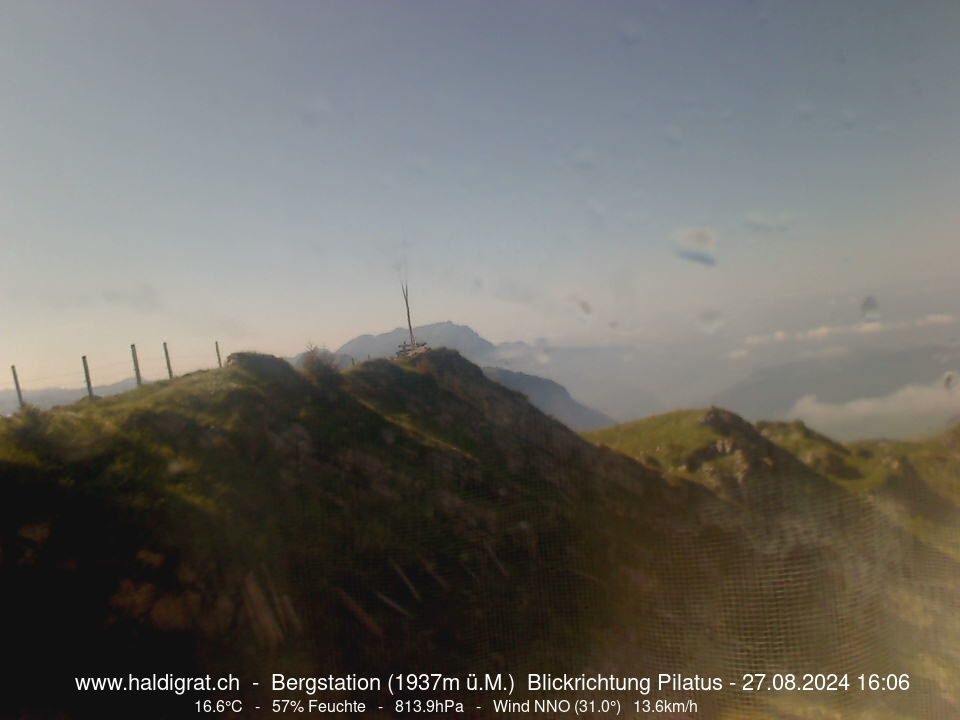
<point>257,518</point>
<point>915,483</point>
<point>714,448</point>
<point>900,501</point>
<point>551,398</point>
<point>601,377</point>
<point>415,514</point>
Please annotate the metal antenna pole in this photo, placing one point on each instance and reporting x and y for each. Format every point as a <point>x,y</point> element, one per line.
<point>406,301</point>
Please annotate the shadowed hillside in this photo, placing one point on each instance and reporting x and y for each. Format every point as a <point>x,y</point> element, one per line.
<point>551,398</point>
<point>898,502</point>
<point>403,516</point>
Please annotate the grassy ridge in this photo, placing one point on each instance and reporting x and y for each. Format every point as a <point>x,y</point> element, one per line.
<point>415,516</point>
<point>911,493</point>
<point>258,519</point>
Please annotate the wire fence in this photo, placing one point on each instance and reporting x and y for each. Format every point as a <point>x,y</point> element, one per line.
<point>22,384</point>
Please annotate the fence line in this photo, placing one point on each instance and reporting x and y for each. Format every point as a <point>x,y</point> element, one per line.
<point>16,384</point>
<point>136,364</point>
<point>86,376</point>
<point>166,355</point>
<point>88,368</point>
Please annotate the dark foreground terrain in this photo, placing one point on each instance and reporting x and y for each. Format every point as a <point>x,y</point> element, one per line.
<point>418,517</point>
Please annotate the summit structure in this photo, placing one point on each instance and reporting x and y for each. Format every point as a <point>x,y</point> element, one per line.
<point>411,347</point>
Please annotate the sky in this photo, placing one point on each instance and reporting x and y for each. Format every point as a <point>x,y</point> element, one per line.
<point>266,174</point>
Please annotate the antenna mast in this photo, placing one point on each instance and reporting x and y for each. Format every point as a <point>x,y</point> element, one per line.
<point>406,301</point>
<point>406,349</point>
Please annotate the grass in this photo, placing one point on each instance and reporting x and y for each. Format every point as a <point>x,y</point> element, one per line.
<point>328,493</point>
<point>668,438</point>
<point>255,518</point>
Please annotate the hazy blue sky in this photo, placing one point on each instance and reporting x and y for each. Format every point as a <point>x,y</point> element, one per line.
<point>263,172</point>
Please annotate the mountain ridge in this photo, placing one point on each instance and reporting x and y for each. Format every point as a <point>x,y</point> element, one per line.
<point>548,395</point>
<point>398,513</point>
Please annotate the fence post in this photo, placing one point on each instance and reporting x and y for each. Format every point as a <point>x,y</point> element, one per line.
<point>216,344</point>
<point>86,375</point>
<point>16,384</point>
<point>166,354</point>
<point>136,364</point>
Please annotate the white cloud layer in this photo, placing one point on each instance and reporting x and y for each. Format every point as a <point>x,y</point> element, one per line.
<point>910,411</point>
<point>824,332</point>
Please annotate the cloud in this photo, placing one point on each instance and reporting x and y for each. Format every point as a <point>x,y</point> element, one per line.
<point>759,222</point>
<point>696,245</point>
<point>873,327</point>
<point>702,238</point>
<point>697,256</point>
<point>911,410</point>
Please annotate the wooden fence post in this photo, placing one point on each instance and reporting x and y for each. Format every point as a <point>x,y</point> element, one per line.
<point>136,364</point>
<point>216,344</point>
<point>16,384</point>
<point>166,354</point>
<point>86,375</point>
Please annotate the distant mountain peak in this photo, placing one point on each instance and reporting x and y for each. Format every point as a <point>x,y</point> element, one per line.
<point>462,338</point>
<point>552,398</point>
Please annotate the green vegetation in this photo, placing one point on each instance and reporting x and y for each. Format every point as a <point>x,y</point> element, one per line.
<point>663,439</point>
<point>257,518</point>
<point>414,515</point>
<point>700,445</point>
<point>900,498</point>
